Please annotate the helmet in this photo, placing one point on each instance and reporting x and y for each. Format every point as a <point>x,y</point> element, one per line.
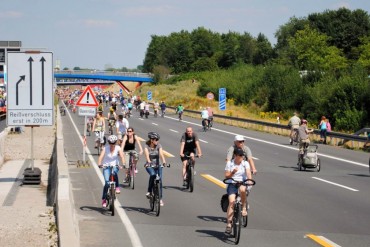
<point>112,139</point>
<point>153,135</point>
<point>111,109</point>
<point>304,121</point>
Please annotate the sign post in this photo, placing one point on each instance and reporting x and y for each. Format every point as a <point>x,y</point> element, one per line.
<point>30,99</point>
<point>149,95</point>
<point>87,104</point>
<point>222,99</point>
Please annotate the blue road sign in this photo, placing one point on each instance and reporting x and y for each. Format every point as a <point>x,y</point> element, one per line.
<point>222,99</point>
<point>149,95</point>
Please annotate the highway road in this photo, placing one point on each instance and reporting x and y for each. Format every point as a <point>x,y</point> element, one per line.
<point>287,207</point>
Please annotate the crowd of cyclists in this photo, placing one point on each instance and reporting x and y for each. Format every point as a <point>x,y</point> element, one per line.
<point>122,140</point>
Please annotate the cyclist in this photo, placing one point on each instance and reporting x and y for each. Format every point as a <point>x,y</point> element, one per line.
<point>99,128</point>
<point>180,110</point>
<point>112,117</point>
<point>237,169</point>
<point>189,146</point>
<point>204,116</point>
<point>129,144</point>
<point>303,132</point>
<point>163,108</point>
<point>153,151</point>
<point>146,109</point>
<point>121,127</point>
<point>239,143</point>
<point>294,123</point>
<point>108,155</point>
<point>129,107</point>
<point>210,116</point>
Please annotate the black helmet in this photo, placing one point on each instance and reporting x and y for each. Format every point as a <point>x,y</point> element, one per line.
<point>153,135</point>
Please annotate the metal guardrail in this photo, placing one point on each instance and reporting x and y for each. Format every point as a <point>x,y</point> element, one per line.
<point>346,137</point>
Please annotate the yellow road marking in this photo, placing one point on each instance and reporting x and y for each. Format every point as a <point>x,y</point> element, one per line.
<point>319,240</point>
<point>214,180</point>
<point>167,154</point>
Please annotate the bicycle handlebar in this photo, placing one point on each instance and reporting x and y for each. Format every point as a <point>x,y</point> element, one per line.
<point>155,165</point>
<point>247,182</point>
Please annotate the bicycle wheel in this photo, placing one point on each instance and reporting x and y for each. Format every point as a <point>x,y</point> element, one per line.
<point>132,176</point>
<point>191,178</point>
<point>151,202</point>
<point>188,176</point>
<point>245,219</point>
<point>111,203</point>
<point>157,198</point>
<point>237,222</point>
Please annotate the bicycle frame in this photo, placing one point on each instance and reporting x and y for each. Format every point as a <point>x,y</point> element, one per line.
<point>111,193</point>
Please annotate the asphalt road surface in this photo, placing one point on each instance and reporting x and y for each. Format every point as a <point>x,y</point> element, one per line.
<point>287,207</point>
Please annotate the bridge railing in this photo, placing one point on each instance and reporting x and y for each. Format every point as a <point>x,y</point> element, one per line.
<point>95,72</point>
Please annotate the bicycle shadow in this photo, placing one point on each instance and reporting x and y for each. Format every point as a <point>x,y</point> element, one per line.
<point>212,218</point>
<point>146,211</point>
<point>216,234</point>
<point>359,175</point>
<point>174,188</point>
<point>103,211</point>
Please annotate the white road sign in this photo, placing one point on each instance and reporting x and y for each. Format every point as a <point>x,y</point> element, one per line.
<point>30,92</point>
<point>87,111</point>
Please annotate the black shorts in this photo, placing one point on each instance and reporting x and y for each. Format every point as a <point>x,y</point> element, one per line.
<point>187,153</point>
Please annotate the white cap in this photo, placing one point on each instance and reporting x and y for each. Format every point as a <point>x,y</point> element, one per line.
<point>238,138</point>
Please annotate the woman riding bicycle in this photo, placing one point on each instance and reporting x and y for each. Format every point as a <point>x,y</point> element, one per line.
<point>153,151</point>
<point>99,128</point>
<point>129,144</point>
<point>108,155</point>
<point>239,170</point>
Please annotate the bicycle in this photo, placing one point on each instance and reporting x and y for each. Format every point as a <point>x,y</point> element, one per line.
<point>163,112</point>
<point>180,115</point>
<point>238,220</point>
<point>205,124</point>
<point>295,137</point>
<point>130,179</point>
<point>99,143</point>
<point>210,123</point>
<point>155,112</point>
<point>111,193</point>
<point>190,173</point>
<point>89,126</point>
<point>155,196</point>
<point>110,128</point>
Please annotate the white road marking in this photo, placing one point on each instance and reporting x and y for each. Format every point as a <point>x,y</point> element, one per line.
<point>174,131</point>
<point>339,185</point>
<point>155,124</point>
<point>203,141</point>
<point>278,145</point>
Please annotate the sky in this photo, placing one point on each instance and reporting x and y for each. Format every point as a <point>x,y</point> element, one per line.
<point>99,34</point>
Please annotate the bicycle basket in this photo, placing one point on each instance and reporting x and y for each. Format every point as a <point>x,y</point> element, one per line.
<point>224,202</point>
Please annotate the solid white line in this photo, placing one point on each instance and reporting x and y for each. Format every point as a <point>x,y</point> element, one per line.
<point>278,145</point>
<point>155,124</point>
<point>174,131</point>
<point>134,237</point>
<point>339,185</point>
<point>203,141</point>
<point>329,241</point>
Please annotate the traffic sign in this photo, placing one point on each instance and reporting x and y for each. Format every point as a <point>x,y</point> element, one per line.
<point>222,99</point>
<point>87,111</point>
<point>210,96</point>
<point>30,94</point>
<point>149,95</point>
<point>87,98</point>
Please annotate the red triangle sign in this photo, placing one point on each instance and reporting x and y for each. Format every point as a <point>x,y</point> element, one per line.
<point>87,98</point>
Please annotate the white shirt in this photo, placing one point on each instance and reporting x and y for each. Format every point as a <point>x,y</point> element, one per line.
<point>111,158</point>
<point>204,114</point>
<point>240,175</point>
<point>122,126</point>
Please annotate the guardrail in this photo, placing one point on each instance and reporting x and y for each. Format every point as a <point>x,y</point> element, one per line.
<point>336,138</point>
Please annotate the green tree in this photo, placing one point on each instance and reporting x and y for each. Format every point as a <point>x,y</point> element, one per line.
<point>155,53</point>
<point>264,50</point>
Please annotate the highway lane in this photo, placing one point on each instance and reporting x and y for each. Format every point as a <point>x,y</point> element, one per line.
<point>286,204</point>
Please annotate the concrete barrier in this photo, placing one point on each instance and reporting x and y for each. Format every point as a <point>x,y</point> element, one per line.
<point>3,135</point>
<point>68,230</point>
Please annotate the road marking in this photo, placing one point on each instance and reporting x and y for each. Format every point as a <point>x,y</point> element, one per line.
<point>214,180</point>
<point>203,141</point>
<point>174,131</point>
<point>326,181</point>
<point>322,241</point>
<point>276,144</point>
<point>155,124</point>
<point>132,233</point>
<point>168,154</point>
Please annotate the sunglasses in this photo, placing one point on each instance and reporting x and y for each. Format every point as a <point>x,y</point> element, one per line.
<point>154,139</point>
<point>240,141</point>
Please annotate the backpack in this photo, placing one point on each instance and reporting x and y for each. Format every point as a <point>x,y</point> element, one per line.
<point>224,202</point>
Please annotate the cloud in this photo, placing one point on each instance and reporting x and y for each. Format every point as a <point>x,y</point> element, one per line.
<point>10,15</point>
<point>98,23</point>
<point>150,11</point>
<point>342,5</point>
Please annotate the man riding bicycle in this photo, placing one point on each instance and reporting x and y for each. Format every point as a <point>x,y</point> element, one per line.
<point>180,110</point>
<point>204,116</point>
<point>294,123</point>
<point>189,146</point>
<point>239,170</point>
<point>163,108</point>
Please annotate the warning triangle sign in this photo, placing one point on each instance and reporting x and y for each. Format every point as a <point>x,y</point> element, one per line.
<point>87,98</point>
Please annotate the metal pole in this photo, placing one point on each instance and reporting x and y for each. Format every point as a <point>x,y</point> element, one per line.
<point>84,141</point>
<point>32,165</point>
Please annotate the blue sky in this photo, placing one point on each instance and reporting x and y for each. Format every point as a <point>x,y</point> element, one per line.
<point>115,33</point>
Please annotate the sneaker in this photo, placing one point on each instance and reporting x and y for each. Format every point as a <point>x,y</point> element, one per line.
<point>184,184</point>
<point>118,190</point>
<point>161,203</point>
<point>104,203</point>
<point>147,195</point>
<point>125,180</point>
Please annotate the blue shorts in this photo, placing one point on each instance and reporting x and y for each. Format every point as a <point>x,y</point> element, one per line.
<point>231,189</point>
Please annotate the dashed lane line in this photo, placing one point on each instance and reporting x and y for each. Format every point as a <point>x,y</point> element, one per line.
<point>322,241</point>
<point>203,141</point>
<point>155,124</point>
<point>339,185</point>
<point>174,131</point>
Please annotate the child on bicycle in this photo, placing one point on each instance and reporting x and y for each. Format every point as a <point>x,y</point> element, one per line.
<point>108,155</point>
<point>239,170</point>
<point>303,132</point>
<point>153,151</point>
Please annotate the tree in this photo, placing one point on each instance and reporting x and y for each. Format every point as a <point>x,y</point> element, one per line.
<point>264,51</point>
<point>155,53</point>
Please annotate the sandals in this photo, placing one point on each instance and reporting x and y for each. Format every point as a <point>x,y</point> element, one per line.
<point>228,230</point>
<point>244,212</point>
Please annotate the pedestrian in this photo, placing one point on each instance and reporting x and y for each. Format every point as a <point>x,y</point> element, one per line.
<point>323,129</point>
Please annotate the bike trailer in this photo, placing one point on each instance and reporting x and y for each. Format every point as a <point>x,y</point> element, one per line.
<point>310,159</point>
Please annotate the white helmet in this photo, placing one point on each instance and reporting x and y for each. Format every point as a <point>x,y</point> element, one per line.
<point>112,139</point>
